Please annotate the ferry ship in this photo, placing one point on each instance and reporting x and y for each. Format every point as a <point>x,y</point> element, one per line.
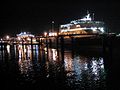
<point>85,25</point>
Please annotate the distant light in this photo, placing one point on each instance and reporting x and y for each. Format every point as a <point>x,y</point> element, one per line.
<point>94,28</point>
<point>53,34</point>
<point>34,40</point>
<point>7,37</point>
<point>28,39</point>
<point>102,29</point>
<point>19,38</point>
<point>118,35</point>
<point>24,32</point>
<point>78,26</point>
<point>53,22</point>
<point>24,35</point>
<point>45,34</point>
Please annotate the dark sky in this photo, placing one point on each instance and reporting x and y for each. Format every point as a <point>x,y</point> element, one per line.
<point>36,17</point>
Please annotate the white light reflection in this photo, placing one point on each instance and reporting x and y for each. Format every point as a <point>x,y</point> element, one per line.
<point>36,52</point>
<point>78,65</point>
<point>45,49</point>
<point>94,67</point>
<point>53,55</point>
<point>81,65</point>
<point>20,51</point>
<point>68,61</point>
<point>101,63</point>
<point>29,53</point>
<point>24,52</point>
<point>25,64</point>
<point>97,67</point>
<point>8,49</point>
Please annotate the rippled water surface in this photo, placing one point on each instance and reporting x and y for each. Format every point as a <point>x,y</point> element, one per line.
<point>24,67</point>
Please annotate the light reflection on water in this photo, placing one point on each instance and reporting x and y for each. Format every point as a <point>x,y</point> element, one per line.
<point>84,69</point>
<point>80,71</point>
<point>24,52</point>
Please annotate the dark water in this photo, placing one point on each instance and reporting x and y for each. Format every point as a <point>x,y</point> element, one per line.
<point>49,68</point>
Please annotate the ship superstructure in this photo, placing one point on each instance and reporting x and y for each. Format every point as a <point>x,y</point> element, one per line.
<point>86,25</point>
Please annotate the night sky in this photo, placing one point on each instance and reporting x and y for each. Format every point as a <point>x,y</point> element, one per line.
<point>36,17</point>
